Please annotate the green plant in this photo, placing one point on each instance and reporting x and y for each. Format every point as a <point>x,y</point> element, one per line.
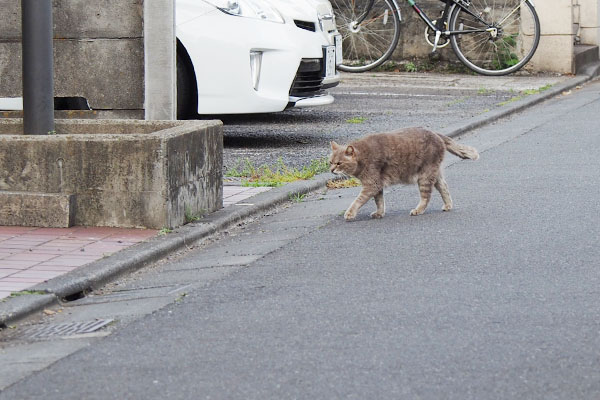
<point>193,217</point>
<point>388,66</point>
<point>457,101</point>
<point>164,231</point>
<point>485,91</point>
<point>356,120</point>
<point>343,183</point>
<point>27,292</point>
<point>52,132</point>
<point>297,197</point>
<point>526,92</point>
<point>410,67</point>
<point>278,174</point>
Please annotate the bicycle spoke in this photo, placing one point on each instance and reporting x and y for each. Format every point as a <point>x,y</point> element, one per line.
<point>370,42</point>
<point>510,41</point>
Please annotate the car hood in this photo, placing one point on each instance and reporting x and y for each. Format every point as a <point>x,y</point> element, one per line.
<point>307,10</point>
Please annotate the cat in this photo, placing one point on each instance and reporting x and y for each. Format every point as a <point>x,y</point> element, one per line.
<point>411,155</point>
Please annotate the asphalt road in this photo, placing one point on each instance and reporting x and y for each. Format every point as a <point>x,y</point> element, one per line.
<point>497,299</point>
<point>368,103</point>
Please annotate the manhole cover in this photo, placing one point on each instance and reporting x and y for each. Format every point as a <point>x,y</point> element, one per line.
<point>65,329</point>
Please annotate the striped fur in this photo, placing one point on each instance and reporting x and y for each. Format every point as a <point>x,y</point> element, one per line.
<point>412,155</point>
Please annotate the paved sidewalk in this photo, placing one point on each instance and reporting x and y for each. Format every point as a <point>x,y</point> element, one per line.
<point>29,256</point>
<point>233,194</point>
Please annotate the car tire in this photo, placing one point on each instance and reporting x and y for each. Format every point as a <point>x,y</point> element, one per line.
<point>187,89</point>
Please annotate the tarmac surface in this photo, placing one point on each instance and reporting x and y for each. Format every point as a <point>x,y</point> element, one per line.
<point>22,296</point>
<point>496,299</point>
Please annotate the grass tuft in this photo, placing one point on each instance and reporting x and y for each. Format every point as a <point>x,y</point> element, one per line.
<point>275,175</point>
<point>343,184</point>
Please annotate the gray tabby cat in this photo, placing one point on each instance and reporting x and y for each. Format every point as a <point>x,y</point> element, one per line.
<point>412,155</point>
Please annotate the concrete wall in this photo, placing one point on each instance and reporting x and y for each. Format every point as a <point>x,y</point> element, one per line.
<point>99,54</point>
<point>110,173</point>
<point>555,51</point>
<point>589,22</point>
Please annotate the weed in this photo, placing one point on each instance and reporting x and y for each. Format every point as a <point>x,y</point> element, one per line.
<point>484,91</point>
<point>343,184</point>
<point>164,231</point>
<point>410,67</point>
<point>356,120</point>
<point>27,292</point>
<point>526,92</point>
<point>297,197</point>
<point>191,217</point>
<point>278,174</point>
<point>52,132</point>
<point>457,101</point>
<point>388,66</point>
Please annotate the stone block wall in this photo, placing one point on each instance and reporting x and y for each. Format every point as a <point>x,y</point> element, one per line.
<point>98,53</point>
<point>110,173</point>
<point>556,49</point>
<point>555,52</point>
<point>589,22</point>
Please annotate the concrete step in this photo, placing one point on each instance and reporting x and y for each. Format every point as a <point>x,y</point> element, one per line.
<point>52,210</point>
<point>585,55</point>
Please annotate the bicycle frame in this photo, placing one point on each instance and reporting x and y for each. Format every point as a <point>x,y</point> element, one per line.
<point>450,5</point>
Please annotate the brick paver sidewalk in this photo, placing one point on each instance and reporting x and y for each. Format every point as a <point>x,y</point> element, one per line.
<point>29,256</point>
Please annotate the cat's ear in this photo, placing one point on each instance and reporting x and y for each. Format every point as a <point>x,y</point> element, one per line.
<point>334,145</point>
<point>350,151</point>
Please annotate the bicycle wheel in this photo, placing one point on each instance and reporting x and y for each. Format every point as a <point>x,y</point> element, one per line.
<point>506,35</point>
<point>369,35</point>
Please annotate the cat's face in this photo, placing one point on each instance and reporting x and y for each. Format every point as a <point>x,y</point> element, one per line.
<point>342,159</point>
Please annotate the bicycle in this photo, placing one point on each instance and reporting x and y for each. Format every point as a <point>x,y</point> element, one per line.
<point>490,37</point>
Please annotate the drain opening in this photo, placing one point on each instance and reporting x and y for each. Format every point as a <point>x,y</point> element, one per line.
<point>65,329</point>
<point>75,296</point>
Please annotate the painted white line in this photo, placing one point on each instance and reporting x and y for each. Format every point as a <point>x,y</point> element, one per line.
<point>382,94</point>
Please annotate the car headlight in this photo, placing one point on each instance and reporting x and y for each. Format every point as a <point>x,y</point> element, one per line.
<point>248,8</point>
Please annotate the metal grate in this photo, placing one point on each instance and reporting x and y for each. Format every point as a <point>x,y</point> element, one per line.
<point>66,329</point>
<point>309,78</point>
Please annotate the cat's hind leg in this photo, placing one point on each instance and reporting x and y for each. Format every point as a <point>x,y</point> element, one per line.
<point>442,187</point>
<point>425,187</point>
<point>380,202</point>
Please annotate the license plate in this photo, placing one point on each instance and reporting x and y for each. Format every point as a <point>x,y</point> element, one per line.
<point>330,59</point>
<point>338,49</point>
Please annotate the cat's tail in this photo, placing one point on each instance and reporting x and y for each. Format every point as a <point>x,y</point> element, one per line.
<point>460,150</point>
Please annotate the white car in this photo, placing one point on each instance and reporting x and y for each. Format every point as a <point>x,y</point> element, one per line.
<point>254,56</point>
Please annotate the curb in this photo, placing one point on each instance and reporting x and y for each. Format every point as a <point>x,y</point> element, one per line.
<point>520,105</point>
<point>77,283</point>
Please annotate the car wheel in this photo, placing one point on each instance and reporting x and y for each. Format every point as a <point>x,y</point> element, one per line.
<point>187,90</point>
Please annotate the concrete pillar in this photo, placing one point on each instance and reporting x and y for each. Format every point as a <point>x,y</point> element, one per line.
<point>160,60</point>
<point>589,23</point>
<point>555,51</point>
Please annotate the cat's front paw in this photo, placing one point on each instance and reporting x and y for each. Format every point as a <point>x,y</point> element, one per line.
<point>349,215</point>
<point>447,207</point>
<point>377,215</point>
<point>414,212</point>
